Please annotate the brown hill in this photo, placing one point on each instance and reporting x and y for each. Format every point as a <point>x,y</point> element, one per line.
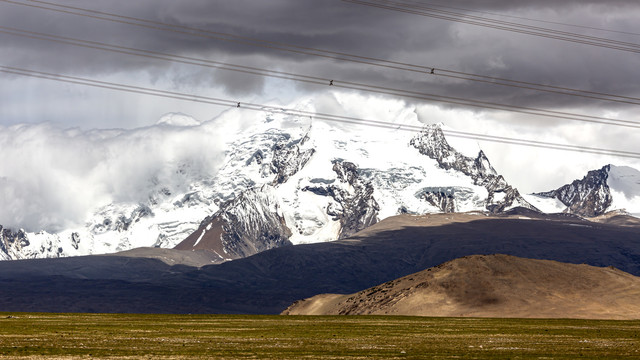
<point>492,286</point>
<point>617,218</point>
<point>208,237</point>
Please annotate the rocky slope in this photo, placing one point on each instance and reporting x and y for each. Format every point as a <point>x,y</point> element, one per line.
<point>501,196</point>
<point>356,209</point>
<point>600,191</point>
<point>248,224</point>
<point>492,286</point>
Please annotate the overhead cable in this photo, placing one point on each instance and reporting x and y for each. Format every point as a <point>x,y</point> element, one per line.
<point>323,81</point>
<point>498,24</point>
<point>526,18</point>
<point>329,117</point>
<point>323,53</point>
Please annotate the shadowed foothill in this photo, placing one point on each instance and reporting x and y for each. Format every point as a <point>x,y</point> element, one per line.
<point>268,282</point>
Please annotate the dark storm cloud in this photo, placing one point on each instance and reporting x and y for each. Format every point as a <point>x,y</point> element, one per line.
<point>518,4</point>
<point>343,27</point>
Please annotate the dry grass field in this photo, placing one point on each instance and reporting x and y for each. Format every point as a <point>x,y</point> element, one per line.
<point>65,336</point>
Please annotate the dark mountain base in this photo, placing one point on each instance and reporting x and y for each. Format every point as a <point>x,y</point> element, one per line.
<point>270,281</point>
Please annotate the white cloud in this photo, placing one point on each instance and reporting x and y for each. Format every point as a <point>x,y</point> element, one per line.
<point>51,178</point>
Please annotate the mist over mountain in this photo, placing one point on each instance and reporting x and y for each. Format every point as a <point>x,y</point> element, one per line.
<point>51,179</point>
<point>70,193</point>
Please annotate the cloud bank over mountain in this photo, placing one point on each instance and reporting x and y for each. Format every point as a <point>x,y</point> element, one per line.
<point>50,178</point>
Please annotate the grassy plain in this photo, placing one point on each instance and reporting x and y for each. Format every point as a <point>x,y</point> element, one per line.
<point>34,336</point>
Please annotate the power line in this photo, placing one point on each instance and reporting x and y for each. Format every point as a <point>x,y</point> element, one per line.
<point>526,18</point>
<point>156,55</point>
<point>516,27</point>
<point>500,25</point>
<point>339,56</point>
<point>318,80</point>
<point>329,117</point>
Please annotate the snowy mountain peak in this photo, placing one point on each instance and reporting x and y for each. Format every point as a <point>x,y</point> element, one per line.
<point>178,119</point>
<point>501,196</point>
<point>600,191</point>
<point>12,243</point>
<point>284,179</point>
<point>433,143</point>
<point>249,224</point>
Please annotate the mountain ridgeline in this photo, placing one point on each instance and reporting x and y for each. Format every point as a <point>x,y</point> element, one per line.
<point>244,226</point>
<point>290,180</point>
<point>501,196</point>
<point>588,197</point>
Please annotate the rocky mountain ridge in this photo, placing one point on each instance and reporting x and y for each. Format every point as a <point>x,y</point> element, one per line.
<point>501,196</point>
<point>600,191</point>
<point>327,182</point>
<point>354,211</point>
<point>244,226</point>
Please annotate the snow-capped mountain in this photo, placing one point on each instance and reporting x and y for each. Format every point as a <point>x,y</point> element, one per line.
<point>500,195</point>
<point>327,181</point>
<point>246,225</point>
<point>116,227</point>
<point>600,191</point>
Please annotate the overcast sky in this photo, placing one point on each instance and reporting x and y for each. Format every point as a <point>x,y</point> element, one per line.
<point>342,27</point>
